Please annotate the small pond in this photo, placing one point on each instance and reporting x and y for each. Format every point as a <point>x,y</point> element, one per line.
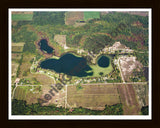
<point>103,61</point>
<point>45,47</point>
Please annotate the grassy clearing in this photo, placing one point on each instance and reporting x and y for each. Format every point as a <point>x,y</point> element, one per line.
<point>28,93</point>
<point>96,70</point>
<point>92,96</point>
<point>17,47</point>
<point>22,17</point>
<point>91,15</point>
<point>26,64</point>
<point>14,68</point>
<point>16,56</point>
<point>60,39</point>
<point>72,17</point>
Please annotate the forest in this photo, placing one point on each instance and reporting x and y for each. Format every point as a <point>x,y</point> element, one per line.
<point>19,107</point>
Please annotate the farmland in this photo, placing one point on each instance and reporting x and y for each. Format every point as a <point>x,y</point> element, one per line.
<point>129,99</point>
<point>58,99</point>
<point>17,47</point>
<point>22,17</point>
<point>92,96</point>
<point>14,68</point>
<point>91,15</point>
<point>28,93</point>
<point>72,17</point>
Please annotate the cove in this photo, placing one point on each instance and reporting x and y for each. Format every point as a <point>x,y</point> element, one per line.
<point>44,46</point>
<point>103,61</point>
<point>68,64</point>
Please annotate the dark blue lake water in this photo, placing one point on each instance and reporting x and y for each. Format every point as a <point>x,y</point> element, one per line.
<point>68,64</point>
<point>103,61</point>
<point>44,46</point>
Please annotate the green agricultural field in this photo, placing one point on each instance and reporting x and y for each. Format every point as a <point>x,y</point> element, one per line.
<point>28,93</point>
<point>22,17</point>
<point>92,96</point>
<point>91,15</point>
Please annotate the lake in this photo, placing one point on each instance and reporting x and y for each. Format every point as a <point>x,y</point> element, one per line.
<point>45,47</point>
<point>68,64</point>
<point>103,61</point>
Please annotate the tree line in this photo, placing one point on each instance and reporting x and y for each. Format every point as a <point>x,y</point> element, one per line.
<point>20,107</point>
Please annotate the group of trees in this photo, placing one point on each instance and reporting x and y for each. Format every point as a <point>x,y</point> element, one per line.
<point>73,40</point>
<point>143,58</point>
<point>24,35</point>
<point>136,75</point>
<point>144,110</point>
<point>44,18</point>
<point>113,25</point>
<point>19,107</point>
<point>119,26</point>
<point>95,43</point>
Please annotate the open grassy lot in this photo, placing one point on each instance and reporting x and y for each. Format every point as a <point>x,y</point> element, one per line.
<point>92,96</point>
<point>59,97</point>
<point>16,56</point>
<point>28,93</point>
<point>91,15</point>
<point>17,47</point>
<point>60,39</point>
<point>97,70</point>
<point>72,17</point>
<point>14,68</point>
<point>26,64</point>
<point>22,17</point>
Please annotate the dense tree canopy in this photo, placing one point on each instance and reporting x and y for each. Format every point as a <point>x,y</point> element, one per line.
<point>19,107</point>
<point>144,110</point>
<point>95,43</point>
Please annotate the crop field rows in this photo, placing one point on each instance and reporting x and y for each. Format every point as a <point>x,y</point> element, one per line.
<point>95,97</point>
<point>27,93</point>
<point>72,17</point>
<point>128,99</point>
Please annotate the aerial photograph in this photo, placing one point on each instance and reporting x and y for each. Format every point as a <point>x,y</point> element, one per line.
<point>74,63</point>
